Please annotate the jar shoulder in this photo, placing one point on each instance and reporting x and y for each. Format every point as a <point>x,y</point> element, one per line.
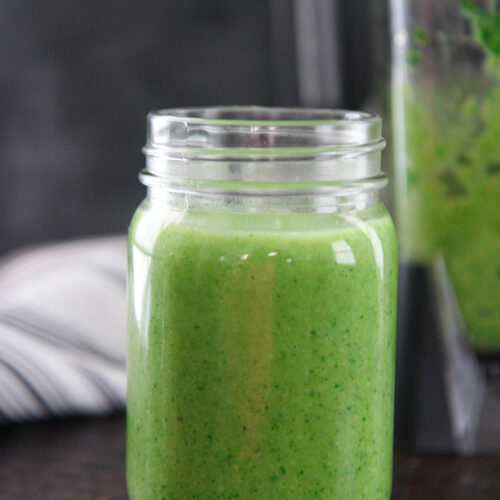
<point>154,225</point>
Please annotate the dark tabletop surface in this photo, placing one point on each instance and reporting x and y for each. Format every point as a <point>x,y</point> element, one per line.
<point>84,459</point>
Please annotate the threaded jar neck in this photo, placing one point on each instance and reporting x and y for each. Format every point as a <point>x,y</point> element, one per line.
<point>257,150</point>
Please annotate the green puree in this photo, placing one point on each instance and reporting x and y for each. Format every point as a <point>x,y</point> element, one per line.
<point>261,361</point>
<point>452,191</point>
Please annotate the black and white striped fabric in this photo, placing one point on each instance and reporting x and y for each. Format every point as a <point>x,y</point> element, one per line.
<point>63,330</point>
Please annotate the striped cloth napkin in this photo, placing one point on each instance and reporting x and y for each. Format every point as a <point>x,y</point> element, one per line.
<point>63,330</point>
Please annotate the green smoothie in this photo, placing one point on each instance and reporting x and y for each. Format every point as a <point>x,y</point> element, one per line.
<point>450,199</point>
<point>261,355</point>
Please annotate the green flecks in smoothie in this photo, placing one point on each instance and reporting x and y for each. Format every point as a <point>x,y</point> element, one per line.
<point>486,26</point>
<point>420,35</point>
<point>452,185</point>
<point>413,57</point>
<point>284,412</point>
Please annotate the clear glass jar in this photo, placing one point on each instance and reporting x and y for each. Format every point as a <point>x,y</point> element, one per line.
<point>446,129</point>
<point>262,286</point>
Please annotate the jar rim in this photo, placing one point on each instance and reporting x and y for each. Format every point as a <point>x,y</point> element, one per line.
<point>262,144</point>
<point>259,129</point>
<point>261,115</point>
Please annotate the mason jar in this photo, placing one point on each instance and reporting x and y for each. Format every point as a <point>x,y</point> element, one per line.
<point>446,129</point>
<point>262,298</point>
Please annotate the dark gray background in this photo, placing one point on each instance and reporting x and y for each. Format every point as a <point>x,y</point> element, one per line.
<point>78,77</point>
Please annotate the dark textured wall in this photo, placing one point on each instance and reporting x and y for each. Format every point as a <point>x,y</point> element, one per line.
<point>78,77</point>
<point>76,81</point>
